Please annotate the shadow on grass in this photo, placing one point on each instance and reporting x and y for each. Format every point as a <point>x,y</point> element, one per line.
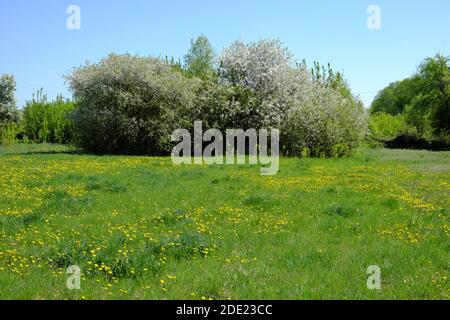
<point>73,152</point>
<point>46,152</point>
<point>36,149</point>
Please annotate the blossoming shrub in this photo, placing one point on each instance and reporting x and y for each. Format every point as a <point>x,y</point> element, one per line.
<point>9,115</point>
<point>321,122</point>
<point>130,105</point>
<point>384,125</point>
<point>315,117</point>
<point>257,77</point>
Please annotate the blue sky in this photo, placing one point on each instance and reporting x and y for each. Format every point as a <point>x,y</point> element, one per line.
<point>38,48</point>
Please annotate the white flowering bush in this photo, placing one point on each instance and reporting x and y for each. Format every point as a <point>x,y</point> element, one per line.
<point>264,89</point>
<point>257,76</point>
<point>8,110</point>
<point>321,122</point>
<point>262,66</point>
<point>130,105</point>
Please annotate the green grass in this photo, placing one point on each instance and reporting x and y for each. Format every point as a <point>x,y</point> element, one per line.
<point>142,228</point>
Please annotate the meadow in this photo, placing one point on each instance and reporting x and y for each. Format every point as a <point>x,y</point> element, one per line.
<point>143,228</point>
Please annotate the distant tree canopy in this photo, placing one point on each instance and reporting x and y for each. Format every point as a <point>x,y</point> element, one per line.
<point>433,100</point>
<point>394,98</point>
<point>424,98</point>
<point>199,61</point>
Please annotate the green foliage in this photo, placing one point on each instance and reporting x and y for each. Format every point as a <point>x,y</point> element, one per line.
<point>330,78</point>
<point>177,66</point>
<point>45,121</point>
<point>384,125</point>
<point>199,61</point>
<point>418,121</point>
<point>423,98</point>
<point>315,111</point>
<point>394,98</point>
<point>433,100</point>
<point>8,110</point>
<point>10,133</point>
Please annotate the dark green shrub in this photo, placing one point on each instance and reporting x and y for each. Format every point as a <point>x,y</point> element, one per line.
<point>405,141</point>
<point>341,210</point>
<point>383,125</point>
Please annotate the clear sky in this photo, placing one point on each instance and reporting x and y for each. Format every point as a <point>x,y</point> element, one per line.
<point>38,48</point>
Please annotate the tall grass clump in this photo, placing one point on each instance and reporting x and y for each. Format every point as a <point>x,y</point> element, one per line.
<point>48,121</point>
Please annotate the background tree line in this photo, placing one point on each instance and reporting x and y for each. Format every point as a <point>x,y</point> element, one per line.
<point>130,104</point>
<point>418,107</point>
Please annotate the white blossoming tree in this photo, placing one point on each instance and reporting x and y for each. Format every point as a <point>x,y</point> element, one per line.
<point>8,110</point>
<point>316,116</point>
<point>130,105</point>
